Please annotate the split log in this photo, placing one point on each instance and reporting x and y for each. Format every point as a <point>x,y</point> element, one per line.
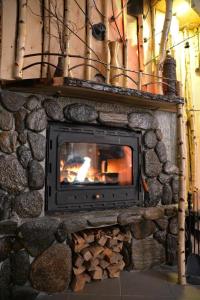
<point>114,270</point>
<point>96,250</point>
<point>86,253</point>
<point>97,274</point>
<point>79,270</point>
<point>89,237</point>
<point>103,263</point>
<point>78,283</point>
<point>78,261</point>
<point>102,240</point>
<point>92,264</point>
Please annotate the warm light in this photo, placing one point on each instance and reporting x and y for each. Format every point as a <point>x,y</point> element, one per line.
<point>182,8</point>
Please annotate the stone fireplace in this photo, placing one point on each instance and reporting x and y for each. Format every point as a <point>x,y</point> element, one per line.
<point>72,169</point>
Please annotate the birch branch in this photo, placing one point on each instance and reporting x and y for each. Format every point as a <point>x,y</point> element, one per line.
<point>21,40</point>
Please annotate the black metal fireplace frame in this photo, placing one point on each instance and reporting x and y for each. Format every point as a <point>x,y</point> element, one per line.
<point>81,198</point>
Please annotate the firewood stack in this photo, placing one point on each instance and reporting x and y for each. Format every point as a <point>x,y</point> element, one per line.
<point>97,255</point>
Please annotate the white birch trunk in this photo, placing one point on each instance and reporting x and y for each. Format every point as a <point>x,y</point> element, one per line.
<point>21,40</point>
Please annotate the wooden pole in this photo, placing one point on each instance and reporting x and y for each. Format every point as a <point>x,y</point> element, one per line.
<point>163,42</point>
<point>66,39</point>
<point>46,38</point>
<point>125,42</point>
<point>182,196</point>
<point>106,42</point>
<point>21,39</point>
<point>88,38</point>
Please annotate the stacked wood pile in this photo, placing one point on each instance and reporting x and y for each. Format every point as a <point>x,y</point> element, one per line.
<point>97,255</point>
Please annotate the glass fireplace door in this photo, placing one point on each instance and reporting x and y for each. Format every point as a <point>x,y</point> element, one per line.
<point>95,164</point>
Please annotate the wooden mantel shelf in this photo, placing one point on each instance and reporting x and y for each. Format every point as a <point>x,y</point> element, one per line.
<point>71,87</point>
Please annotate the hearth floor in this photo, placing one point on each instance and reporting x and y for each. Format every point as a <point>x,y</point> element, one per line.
<point>156,284</point>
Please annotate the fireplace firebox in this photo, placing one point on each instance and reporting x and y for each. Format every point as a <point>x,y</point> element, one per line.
<point>91,167</point>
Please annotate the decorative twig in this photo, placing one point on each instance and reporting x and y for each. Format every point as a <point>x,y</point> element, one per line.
<point>21,39</point>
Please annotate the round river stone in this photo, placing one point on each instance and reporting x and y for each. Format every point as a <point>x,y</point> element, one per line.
<point>155,192</point>
<point>6,119</point>
<point>152,164</point>
<point>29,204</point>
<point>167,195</point>
<point>38,234</point>
<point>24,156</point>
<point>20,266</point>
<point>142,120</point>
<point>81,113</point>
<point>12,176</point>
<point>150,139</point>
<point>51,271</point>
<point>12,101</point>
<point>20,118</point>
<point>37,120</point>
<point>161,152</point>
<point>8,141</point>
<point>53,109</point>
<point>38,145</point>
<point>36,175</point>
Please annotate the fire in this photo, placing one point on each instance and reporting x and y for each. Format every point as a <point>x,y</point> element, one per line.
<point>109,171</point>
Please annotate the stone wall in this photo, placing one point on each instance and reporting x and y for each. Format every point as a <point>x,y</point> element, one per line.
<point>28,237</point>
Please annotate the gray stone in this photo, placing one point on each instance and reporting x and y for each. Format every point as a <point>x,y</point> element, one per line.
<point>175,198</point>
<point>38,145</point>
<point>161,152</point>
<point>32,103</point>
<point>171,211</point>
<point>173,225</point>
<point>142,120</point>
<point>162,223</point>
<point>113,119</point>
<point>51,271</point>
<point>167,195</point>
<point>128,218</point>
<point>38,234</point>
<point>20,119</point>
<point>29,204</point>
<point>6,119</point>
<point>12,176</point>
<point>5,205</point>
<point>5,248</point>
<point>5,275</point>
<point>147,253</point>
<point>143,229</point>
<point>24,293</point>
<point>22,137</point>
<point>175,184</point>
<point>159,134</point>
<point>8,227</point>
<point>172,246</point>
<point>12,101</point>
<point>80,113</point>
<point>153,213</point>
<point>24,156</point>
<point>70,225</point>
<point>37,120</point>
<point>160,237</point>
<point>164,178</point>
<point>170,168</point>
<point>20,266</point>
<point>150,139</point>
<point>8,141</point>
<point>53,109</point>
<point>102,220</point>
<point>152,164</point>
<point>155,192</point>
<point>36,175</point>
